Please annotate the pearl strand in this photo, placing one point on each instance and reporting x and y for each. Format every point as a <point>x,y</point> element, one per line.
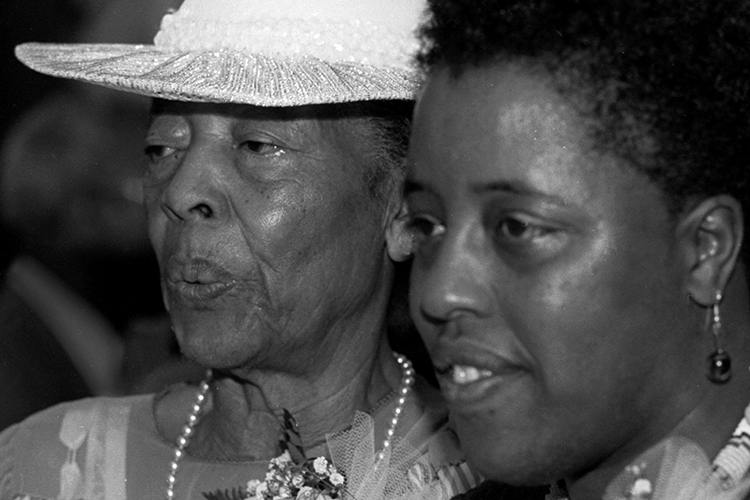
<point>187,432</point>
<point>407,381</point>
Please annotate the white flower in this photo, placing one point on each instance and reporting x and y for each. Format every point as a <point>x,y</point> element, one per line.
<point>641,487</point>
<point>336,479</point>
<point>305,493</point>
<point>284,492</point>
<point>283,458</point>
<point>262,488</point>
<point>298,480</point>
<point>636,469</point>
<point>252,486</point>
<point>308,493</point>
<point>321,465</point>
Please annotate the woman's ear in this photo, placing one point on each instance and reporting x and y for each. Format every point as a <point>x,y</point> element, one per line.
<point>398,237</point>
<point>710,236</point>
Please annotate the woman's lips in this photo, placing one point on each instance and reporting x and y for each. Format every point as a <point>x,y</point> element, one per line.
<point>463,374</point>
<point>197,292</point>
<point>470,379</point>
<point>198,281</point>
<point>468,388</point>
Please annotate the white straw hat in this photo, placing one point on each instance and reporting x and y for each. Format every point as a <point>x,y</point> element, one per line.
<point>261,52</point>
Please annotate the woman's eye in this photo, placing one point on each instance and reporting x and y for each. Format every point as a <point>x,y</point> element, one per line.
<point>518,230</point>
<point>157,152</point>
<point>423,227</point>
<point>263,148</point>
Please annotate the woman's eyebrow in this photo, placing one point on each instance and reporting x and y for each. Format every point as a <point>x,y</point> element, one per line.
<point>512,187</point>
<point>488,187</point>
<point>515,187</point>
<point>519,188</point>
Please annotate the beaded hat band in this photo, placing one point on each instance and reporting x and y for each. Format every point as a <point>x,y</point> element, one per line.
<point>260,52</point>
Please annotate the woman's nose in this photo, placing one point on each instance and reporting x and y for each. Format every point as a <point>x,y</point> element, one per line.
<point>455,280</point>
<point>194,192</point>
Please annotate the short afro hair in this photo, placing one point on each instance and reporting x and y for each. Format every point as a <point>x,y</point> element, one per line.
<point>667,82</point>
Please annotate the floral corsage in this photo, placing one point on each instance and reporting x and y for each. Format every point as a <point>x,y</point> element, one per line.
<point>291,475</point>
<point>314,479</point>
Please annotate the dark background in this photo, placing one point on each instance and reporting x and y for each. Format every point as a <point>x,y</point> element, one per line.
<point>27,21</point>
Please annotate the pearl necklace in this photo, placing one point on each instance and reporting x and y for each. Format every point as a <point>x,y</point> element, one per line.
<point>407,380</point>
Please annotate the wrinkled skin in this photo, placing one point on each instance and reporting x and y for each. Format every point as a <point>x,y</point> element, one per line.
<point>271,250</point>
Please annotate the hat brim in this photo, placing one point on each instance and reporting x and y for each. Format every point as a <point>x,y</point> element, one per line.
<point>219,76</point>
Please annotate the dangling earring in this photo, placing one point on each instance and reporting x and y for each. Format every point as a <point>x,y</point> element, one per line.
<point>719,362</point>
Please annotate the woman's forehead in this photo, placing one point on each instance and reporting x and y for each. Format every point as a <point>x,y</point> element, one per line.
<point>555,104</point>
<point>317,125</point>
<point>291,116</point>
<point>500,124</point>
<point>494,106</point>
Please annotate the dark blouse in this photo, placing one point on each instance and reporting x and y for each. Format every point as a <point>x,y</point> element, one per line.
<point>490,490</point>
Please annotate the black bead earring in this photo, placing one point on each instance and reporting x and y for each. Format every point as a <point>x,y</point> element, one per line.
<point>719,362</point>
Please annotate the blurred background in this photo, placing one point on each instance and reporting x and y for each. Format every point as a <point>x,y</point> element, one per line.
<point>80,305</point>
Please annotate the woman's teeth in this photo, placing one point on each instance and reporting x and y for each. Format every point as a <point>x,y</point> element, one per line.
<point>468,374</point>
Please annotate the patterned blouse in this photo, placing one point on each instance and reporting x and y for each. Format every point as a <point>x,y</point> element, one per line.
<point>110,449</point>
<point>675,469</point>
<point>678,469</point>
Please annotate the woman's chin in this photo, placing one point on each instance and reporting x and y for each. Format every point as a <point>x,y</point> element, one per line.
<point>505,470</point>
<point>211,358</point>
<point>212,349</point>
<point>507,457</point>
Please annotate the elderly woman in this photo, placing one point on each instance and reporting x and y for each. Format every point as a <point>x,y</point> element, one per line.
<point>578,184</point>
<point>273,173</point>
